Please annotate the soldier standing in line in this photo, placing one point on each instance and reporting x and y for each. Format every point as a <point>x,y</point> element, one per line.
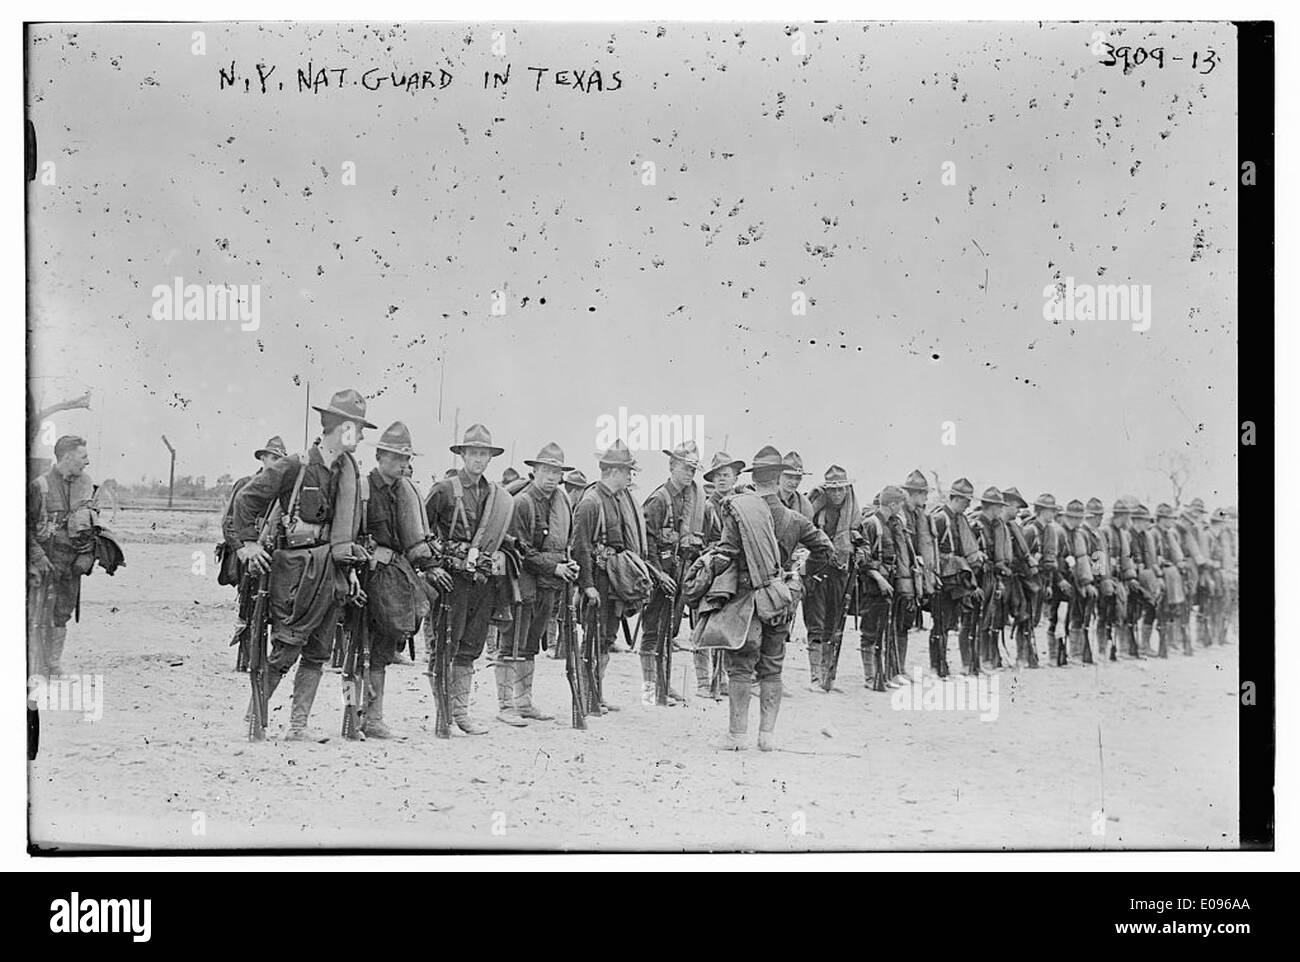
<point>722,475</point>
<point>60,516</point>
<point>1119,548</point>
<point>1025,585</point>
<point>1045,537</point>
<point>995,543</point>
<point>540,526</point>
<point>959,555</point>
<point>575,485</point>
<point>595,545</point>
<point>921,527</point>
<point>674,526</point>
<point>836,512</point>
<point>314,564</point>
<point>759,539</point>
<point>471,517</point>
<point>1173,609</point>
<point>792,475</point>
<point>1083,603</point>
<point>1103,576</point>
<point>1144,600</point>
<point>1201,584</point>
<point>396,600</point>
<point>1223,553</point>
<point>879,568</point>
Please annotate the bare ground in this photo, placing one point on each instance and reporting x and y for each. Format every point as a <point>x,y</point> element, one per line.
<point>1123,755</point>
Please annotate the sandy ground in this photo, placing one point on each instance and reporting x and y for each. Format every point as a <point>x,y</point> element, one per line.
<point>1123,755</point>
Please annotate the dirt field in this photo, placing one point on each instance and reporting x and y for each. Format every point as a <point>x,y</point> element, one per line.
<point>1152,744</point>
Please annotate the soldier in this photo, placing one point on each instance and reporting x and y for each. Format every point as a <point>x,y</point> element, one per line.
<point>1083,554</point>
<point>1173,613</point>
<point>959,556</point>
<point>994,572</point>
<point>836,512</point>
<point>1103,576</point>
<point>1046,541</point>
<point>575,484</point>
<point>1119,548</point>
<point>721,476</point>
<point>540,527</point>
<point>758,541</point>
<point>315,560</point>
<point>886,591</point>
<point>605,525</point>
<point>674,526</point>
<point>1144,599</point>
<point>1223,553</point>
<point>1025,584</point>
<point>471,517</point>
<point>508,477</point>
<point>396,598</point>
<point>792,475</point>
<point>1204,587</point>
<point>921,528</point>
<point>60,516</point>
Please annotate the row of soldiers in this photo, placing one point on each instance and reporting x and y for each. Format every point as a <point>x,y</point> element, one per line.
<point>477,559</point>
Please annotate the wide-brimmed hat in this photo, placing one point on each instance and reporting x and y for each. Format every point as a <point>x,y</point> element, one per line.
<point>767,457</point>
<point>477,436</point>
<point>961,488</point>
<point>575,479</point>
<point>1096,506</point>
<point>793,464</point>
<point>891,494</point>
<point>350,406</point>
<point>723,460</point>
<point>1121,506</point>
<point>1164,511</point>
<point>1197,506</point>
<point>550,456</point>
<point>1045,500</point>
<point>916,482</point>
<point>510,475</point>
<point>617,455</point>
<point>1074,509</point>
<point>686,452</point>
<point>1141,511</point>
<point>1012,496</point>
<point>274,446</point>
<point>397,439</point>
<point>836,477</point>
<point>992,495</point>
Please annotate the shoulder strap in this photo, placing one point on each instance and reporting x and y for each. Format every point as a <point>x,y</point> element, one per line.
<point>458,492</point>
<point>292,513</point>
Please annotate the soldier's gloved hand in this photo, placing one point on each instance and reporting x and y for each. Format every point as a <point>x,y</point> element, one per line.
<point>255,556</point>
<point>440,578</point>
<point>567,571</point>
<point>592,595</point>
<point>669,586</point>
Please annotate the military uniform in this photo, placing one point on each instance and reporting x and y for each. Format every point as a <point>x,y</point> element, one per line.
<point>708,664</point>
<point>956,604</point>
<point>920,527</point>
<point>595,544</point>
<point>823,603</point>
<point>674,527</point>
<point>60,517</point>
<point>322,506</point>
<point>1024,585</point>
<point>885,579</point>
<point>1144,598</point>
<point>994,573</point>
<point>1084,554</point>
<point>1119,549</point>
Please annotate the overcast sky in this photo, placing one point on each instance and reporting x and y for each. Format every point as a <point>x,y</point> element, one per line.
<point>775,173</point>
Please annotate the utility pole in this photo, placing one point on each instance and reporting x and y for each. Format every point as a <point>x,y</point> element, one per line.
<point>171,472</point>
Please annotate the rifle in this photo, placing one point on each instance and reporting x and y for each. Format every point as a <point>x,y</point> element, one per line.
<point>591,642</point>
<point>440,668</point>
<point>356,661</point>
<point>831,665</point>
<point>572,670</point>
<point>255,640</point>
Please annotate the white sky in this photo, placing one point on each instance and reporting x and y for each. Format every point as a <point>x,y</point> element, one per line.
<point>1064,168</point>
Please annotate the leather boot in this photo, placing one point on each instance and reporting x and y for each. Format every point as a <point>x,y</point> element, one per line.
<point>900,642</point>
<point>461,683</point>
<point>868,666</point>
<point>738,696</point>
<point>815,649</point>
<point>703,673</point>
<point>305,682</point>
<point>54,642</point>
<point>492,644</point>
<point>1088,647</point>
<point>603,664</point>
<point>1165,629</point>
<point>372,713</point>
<point>769,706</point>
<point>649,679</point>
<point>507,674</point>
<point>524,692</point>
